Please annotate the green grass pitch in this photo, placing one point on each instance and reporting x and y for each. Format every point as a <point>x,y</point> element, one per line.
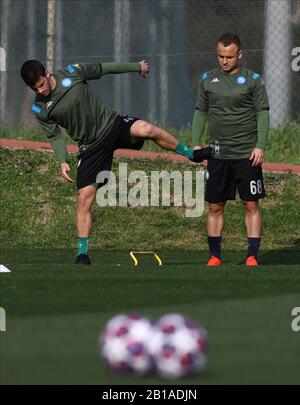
<point>56,310</point>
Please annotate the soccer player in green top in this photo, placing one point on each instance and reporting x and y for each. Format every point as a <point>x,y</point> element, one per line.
<point>234,101</point>
<point>65,99</point>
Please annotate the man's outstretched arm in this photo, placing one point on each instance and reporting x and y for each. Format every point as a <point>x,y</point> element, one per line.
<point>141,67</point>
<point>93,71</point>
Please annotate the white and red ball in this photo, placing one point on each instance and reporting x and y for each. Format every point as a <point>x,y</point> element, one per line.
<point>124,344</point>
<point>178,346</point>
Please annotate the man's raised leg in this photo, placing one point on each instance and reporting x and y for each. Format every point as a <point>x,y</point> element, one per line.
<point>143,129</point>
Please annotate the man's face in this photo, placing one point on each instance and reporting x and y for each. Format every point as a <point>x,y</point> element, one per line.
<point>42,85</point>
<point>228,57</point>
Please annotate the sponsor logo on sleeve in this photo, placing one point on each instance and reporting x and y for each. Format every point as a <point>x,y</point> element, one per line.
<point>36,108</point>
<point>70,69</point>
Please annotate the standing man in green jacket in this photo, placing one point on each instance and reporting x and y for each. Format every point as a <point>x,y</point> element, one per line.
<point>234,101</point>
<point>65,99</point>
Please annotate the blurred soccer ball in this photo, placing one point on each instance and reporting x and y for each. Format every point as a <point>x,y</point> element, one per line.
<point>123,344</point>
<point>178,346</point>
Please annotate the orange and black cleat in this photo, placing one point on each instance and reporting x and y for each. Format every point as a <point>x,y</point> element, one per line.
<point>214,261</point>
<point>251,261</point>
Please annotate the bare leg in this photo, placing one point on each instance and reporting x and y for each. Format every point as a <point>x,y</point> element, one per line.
<point>215,219</point>
<point>253,219</point>
<point>85,199</point>
<point>143,129</point>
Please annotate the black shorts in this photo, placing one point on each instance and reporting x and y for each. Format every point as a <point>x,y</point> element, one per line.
<point>224,177</point>
<point>99,158</point>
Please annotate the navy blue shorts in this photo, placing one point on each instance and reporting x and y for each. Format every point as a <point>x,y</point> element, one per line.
<point>99,158</point>
<point>225,177</point>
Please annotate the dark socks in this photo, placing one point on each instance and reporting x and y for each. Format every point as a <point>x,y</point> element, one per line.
<point>253,246</point>
<point>214,244</point>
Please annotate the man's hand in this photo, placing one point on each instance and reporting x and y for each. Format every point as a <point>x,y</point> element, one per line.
<point>144,68</point>
<point>198,147</point>
<point>201,154</point>
<point>257,155</point>
<point>65,168</point>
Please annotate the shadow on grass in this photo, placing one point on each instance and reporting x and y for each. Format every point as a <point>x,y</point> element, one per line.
<point>285,256</point>
<point>177,257</point>
<point>290,256</point>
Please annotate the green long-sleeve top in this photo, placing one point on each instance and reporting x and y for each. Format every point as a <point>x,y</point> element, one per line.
<point>263,123</point>
<point>236,108</point>
<point>73,105</point>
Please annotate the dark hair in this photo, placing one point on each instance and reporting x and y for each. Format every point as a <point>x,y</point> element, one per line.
<point>31,71</point>
<point>228,38</point>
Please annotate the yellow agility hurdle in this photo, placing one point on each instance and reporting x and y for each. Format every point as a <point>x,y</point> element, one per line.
<point>133,254</point>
